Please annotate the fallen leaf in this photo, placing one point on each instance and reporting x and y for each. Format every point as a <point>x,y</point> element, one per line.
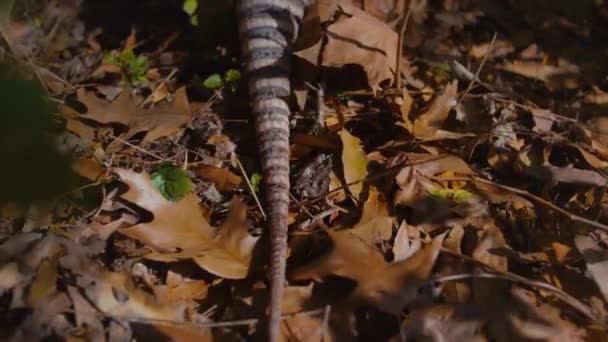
<point>45,283</point>
<point>160,121</point>
<point>430,121</point>
<point>596,258</point>
<point>180,231</point>
<point>541,321</point>
<point>356,38</point>
<point>89,168</point>
<point>222,178</point>
<point>301,327</point>
<point>415,180</point>
<point>375,225</point>
<point>444,323</point>
<point>180,290</point>
<point>354,161</point>
<point>116,295</point>
<point>569,175</point>
<point>389,287</point>
<point>122,110</point>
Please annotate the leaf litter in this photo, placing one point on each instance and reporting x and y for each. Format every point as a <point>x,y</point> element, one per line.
<point>462,198</point>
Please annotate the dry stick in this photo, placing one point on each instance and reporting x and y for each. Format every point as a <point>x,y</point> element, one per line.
<point>569,215</point>
<point>241,322</point>
<point>326,314</point>
<point>568,299</point>
<point>401,38</point>
<point>483,62</point>
<point>251,189</point>
<point>136,147</point>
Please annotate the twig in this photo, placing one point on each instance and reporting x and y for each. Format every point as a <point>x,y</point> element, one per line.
<point>241,322</point>
<point>400,41</point>
<point>569,215</point>
<point>326,314</point>
<point>563,296</point>
<point>483,62</point>
<point>136,147</point>
<point>251,189</point>
<point>306,223</point>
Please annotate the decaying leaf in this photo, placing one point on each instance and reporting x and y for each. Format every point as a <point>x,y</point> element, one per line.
<point>179,230</point>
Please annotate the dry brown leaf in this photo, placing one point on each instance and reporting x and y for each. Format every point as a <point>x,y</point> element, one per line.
<point>80,129</point>
<point>160,121</point>
<point>180,231</point>
<point>222,178</point>
<point>542,321</point>
<point>301,327</point>
<point>89,168</point>
<point>569,175</point>
<point>389,287</point>
<point>354,161</point>
<point>430,121</point>
<point>122,110</point>
<point>443,323</point>
<point>356,38</point>
<point>86,315</point>
<point>180,290</point>
<point>596,258</point>
<point>561,251</point>
<point>45,283</point>
<point>116,295</point>
<point>375,225</point>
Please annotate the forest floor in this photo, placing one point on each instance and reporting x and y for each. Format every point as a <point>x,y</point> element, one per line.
<point>449,173</point>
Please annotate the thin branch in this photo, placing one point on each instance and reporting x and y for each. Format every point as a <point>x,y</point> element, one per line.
<point>483,62</point>
<point>563,296</point>
<point>400,41</point>
<point>251,189</point>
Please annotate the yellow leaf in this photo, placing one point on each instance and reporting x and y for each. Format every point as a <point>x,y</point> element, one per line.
<point>354,162</point>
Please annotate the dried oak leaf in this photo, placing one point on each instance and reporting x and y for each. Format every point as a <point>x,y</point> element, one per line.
<point>160,121</point>
<point>180,231</point>
<point>223,179</point>
<point>355,38</point>
<point>375,225</point>
<point>115,294</point>
<point>389,287</point>
<point>301,327</point>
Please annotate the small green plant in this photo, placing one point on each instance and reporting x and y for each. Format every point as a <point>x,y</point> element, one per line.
<point>231,79</point>
<point>134,67</point>
<point>255,181</point>
<point>172,182</point>
<point>190,7</point>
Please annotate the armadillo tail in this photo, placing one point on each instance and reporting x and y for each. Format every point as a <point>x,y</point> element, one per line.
<point>267,29</point>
